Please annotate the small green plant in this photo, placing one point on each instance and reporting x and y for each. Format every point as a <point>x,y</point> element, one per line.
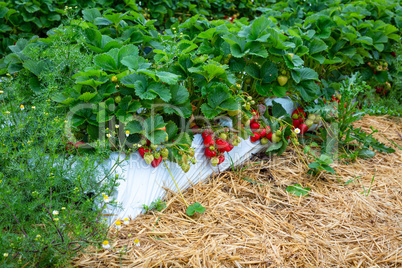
<point>196,207</point>
<point>157,205</point>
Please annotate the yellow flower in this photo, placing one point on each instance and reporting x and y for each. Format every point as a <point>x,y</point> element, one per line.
<point>7,112</point>
<point>5,255</point>
<point>56,219</point>
<point>22,107</point>
<point>127,133</point>
<point>108,135</point>
<point>116,126</point>
<point>33,107</point>
<point>106,199</point>
<point>63,208</point>
<point>55,212</point>
<point>1,91</point>
<point>105,244</point>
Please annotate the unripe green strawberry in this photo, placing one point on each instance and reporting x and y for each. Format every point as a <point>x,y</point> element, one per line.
<point>248,80</point>
<point>193,161</point>
<point>278,132</point>
<point>264,141</point>
<point>233,113</point>
<point>276,138</point>
<point>214,161</point>
<point>282,80</point>
<point>117,99</point>
<point>148,157</point>
<point>317,119</point>
<point>114,79</point>
<point>311,117</point>
<point>247,107</point>
<point>249,98</point>
<point>157,155</point>
<point>154,147</point>
<point>293,134</point>
<point>184,158</point>
<point>309,122</point>
<point>212,148</point>
<point>246,121</point>
<point>191,152</point>
<point>164,153</point>
<point>167,137</point>
<point>295,116</point>
<point>223,136</point>
<point>185,167</point>
<point>143,142</point>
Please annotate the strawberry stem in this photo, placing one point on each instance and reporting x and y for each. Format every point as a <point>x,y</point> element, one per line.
<point>175,183</point>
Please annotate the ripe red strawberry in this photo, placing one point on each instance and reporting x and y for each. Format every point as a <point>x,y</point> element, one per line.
<point>255,114</point>
<point>209,141</point>
<point>393,54</point>
<point>296,122</point>
<point>263,133</point>
<point>255,138</point>
<point>221,159</point>
<point>206,133</point>
<point>303,128</point>
<point>222,145</point>
<point>229,147</point>
<point>209,153</point>
<point>254,126</point>
<point>300,112</point>
<point>269,136</point>
<point>142,151</point>
<point>156,162</point>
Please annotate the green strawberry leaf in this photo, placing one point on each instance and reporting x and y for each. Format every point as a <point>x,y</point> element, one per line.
<point>196,207</point>
<point>298,190</point>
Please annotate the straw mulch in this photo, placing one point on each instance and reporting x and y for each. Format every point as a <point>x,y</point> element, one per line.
<point>259,224</point>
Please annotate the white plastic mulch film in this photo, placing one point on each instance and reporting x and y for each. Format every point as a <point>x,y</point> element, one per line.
<point>141,184</point>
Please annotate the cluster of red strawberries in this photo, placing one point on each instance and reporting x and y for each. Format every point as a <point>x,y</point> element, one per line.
<point>299,120</point>
<point>150,154</point>
<point>260,132</point>
<point>217,146</point>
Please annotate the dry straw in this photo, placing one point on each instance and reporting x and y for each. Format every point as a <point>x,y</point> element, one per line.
<point>256,223</point>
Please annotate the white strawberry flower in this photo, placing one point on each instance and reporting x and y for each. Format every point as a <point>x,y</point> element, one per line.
<point>55,212</point>
<point>126,221</point>
<point>127,133</point>
<point>106,198</point>
<point>116,126</point>
<point>297,130</point>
